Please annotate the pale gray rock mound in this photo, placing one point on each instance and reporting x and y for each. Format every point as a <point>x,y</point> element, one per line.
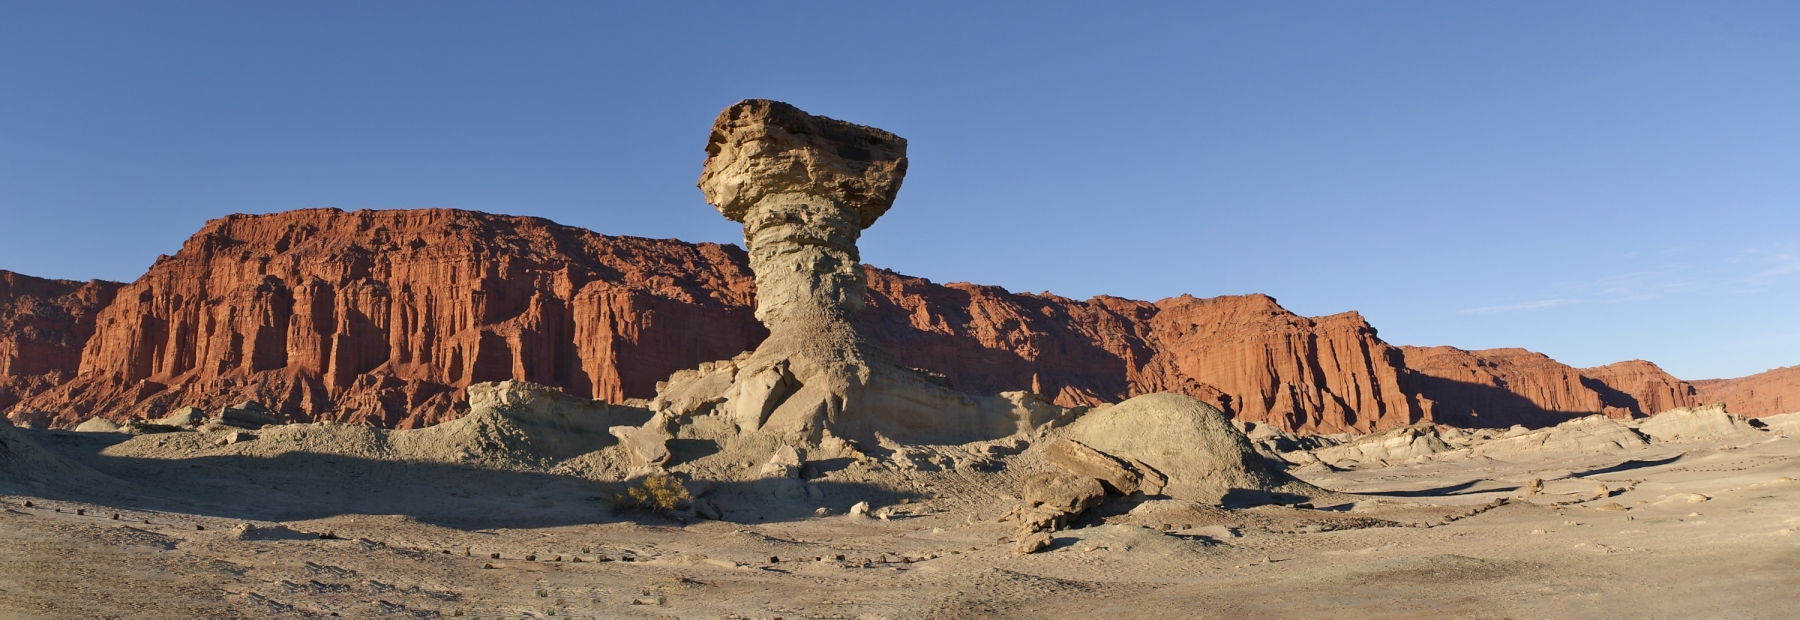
<point>1397,445</point>
<point>1787,423</point>
<point>97,425</point>
<point>24,462</point>
<point>1705,423</point>
<point>1193,444</point>
<point>1595,433</point>
<point>249,415</point>
<point>805,187</point>
<point>517,421</point>
<point>185,417</point>
<point>1064,492</point>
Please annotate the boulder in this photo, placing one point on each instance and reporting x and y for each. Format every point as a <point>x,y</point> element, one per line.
<point>1078,459</point>
<point>185,417</point>
<point>249,415</point>
<point>1062,491</point>
<point>1032,543</point>
<point>785,463</point>
<point>648,444</point>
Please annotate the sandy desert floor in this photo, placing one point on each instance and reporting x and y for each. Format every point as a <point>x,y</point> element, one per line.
<point>1691,530</point>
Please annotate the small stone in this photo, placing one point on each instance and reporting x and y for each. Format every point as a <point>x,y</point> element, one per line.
<point>1032,543</point>
<point>1534,486</point>
<point>861,509</point>
<point>115,516</point>
<point>531,558</point>
<point>494,556</point>
<point>199,528</point>
<point>28,504</point>
<point>706,509</point>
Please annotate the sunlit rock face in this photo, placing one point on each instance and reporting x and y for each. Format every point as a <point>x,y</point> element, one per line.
<point>804,188</point>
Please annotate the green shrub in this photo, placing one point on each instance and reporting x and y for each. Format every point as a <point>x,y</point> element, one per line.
<point>655,493</point>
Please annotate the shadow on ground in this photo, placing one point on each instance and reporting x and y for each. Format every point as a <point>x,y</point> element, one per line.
<point>1464,488</point>
<point>303,485</point>
<point>1627,466</point>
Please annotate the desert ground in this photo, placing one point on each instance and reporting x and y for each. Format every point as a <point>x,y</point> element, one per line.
<point>323,520</point>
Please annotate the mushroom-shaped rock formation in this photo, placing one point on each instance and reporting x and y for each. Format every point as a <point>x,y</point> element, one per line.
<point>804,188</point>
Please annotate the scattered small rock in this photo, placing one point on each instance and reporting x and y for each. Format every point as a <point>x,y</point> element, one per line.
<point>1032,543</point>
<point>1535,486</point>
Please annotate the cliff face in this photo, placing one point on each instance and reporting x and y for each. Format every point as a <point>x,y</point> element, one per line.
<point>1643,386</point>
<point>1245,354</point>
<point>1763,394</point>
<point>383,317</point>
<point>1501,387</point>
<point>44,324</point>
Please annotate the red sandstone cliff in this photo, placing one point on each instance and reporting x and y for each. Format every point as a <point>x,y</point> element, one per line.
<point>1499,387</point>
<point>1642,387</point>
<point>1763,394</point>
<point>383,317</point>
<point>44,324</point>
<point>1246,354</point>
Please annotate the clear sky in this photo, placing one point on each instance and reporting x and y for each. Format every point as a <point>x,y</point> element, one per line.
<point>1598,181</point>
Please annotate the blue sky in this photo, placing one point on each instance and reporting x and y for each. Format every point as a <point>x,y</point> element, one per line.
<point>1598,181</point>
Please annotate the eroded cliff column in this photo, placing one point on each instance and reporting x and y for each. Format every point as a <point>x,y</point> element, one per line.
<point>804,188</point>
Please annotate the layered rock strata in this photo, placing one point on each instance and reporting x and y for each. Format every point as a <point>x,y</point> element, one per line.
<point>44,327</point>
<point>1764,394</point>
<point>385,317</point>
<point>1502,387</point>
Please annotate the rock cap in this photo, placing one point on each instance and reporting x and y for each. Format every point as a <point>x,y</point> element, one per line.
<point>760,148</point>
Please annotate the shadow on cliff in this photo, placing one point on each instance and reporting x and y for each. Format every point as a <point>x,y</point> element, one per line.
<point>298,486</point>
<point>1474,405</point>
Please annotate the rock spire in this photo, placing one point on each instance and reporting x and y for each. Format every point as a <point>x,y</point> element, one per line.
<point>804,188</point>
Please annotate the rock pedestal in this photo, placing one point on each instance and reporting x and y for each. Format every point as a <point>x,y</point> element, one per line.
<point>804,188</point>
